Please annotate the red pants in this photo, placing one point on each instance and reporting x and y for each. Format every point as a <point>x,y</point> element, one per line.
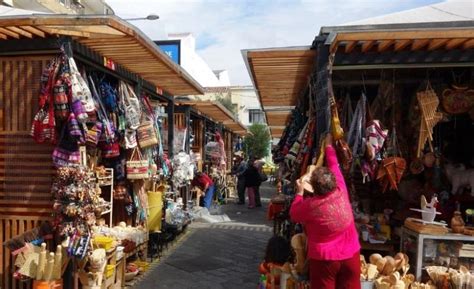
<point>251,194</point>
<point>344,274</point>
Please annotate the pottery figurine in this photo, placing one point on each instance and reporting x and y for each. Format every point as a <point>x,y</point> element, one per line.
<point>457,223</point>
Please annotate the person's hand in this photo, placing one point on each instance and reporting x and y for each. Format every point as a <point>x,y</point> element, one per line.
<point>299,187</point>
<point>328,139</point>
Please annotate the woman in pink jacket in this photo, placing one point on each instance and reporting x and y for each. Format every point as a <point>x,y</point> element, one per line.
<point>333,242</point>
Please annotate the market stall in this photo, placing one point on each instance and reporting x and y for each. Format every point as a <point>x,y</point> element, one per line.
<point>398,99</point>
<point>82,125</point>
<point>213,130</point>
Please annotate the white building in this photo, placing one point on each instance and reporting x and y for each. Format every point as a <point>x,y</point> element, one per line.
<point>61,6</point>
<point>195,65</point>
<point>248,105</point>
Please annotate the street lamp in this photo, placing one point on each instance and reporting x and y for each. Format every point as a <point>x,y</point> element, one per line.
<point>149,17</point>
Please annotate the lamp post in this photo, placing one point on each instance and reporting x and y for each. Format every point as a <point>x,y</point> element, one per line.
<point>149,17</point>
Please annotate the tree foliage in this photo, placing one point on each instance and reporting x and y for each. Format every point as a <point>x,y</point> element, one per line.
<point>257,142</point>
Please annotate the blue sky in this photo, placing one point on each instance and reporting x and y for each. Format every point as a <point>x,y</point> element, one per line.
<point>223,27</point>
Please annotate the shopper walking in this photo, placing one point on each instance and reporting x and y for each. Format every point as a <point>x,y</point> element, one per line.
<point>333,242</point>
<point>252,182</point>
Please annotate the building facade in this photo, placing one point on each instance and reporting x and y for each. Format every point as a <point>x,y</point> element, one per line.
<point>62,6</point>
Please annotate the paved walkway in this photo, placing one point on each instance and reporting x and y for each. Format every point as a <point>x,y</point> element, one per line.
<point>220,255</point>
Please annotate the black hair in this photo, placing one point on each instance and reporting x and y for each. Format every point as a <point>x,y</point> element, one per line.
<point>278,250</point>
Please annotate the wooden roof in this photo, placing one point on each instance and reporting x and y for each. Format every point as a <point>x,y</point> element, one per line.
<point>279,75</point>
<point>276,132</point>
<point>403,37</point>
<point>218,113</point>
<point>111,37</point>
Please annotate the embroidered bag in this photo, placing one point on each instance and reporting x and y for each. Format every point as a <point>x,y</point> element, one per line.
<point>130,138</point>
<point>131,105</point>
<point>93,134</point>
<point>44,127</point>
<point>137,167</point>
<point>74,129</point>
<point>80,89</point>
<point>110,149</point>
<point>109,132</point>
<point>61,101</point>
<point>44,124</point>
<point>66,153</point>
<point>147,134</point>
<point>108,95</point>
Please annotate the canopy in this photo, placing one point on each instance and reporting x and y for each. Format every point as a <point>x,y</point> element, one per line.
<point>113,38</point>
<point>218,113</point>
<point>279,75</point>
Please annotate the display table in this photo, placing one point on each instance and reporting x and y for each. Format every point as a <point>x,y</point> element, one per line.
<point>387,248</point>
<point>447,249</point>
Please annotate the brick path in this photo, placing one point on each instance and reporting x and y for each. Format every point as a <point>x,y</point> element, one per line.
<point>222,255</point>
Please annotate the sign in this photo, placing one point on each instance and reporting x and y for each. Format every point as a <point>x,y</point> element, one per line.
<point>172,48</point>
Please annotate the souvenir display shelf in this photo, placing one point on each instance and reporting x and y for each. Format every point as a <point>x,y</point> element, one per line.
<point>416,245</point>
<point>108,181</point>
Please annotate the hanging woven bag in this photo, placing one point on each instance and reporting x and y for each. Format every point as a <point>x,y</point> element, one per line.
<point>137,167</point>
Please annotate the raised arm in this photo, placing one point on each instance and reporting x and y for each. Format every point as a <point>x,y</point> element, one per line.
<point>333,165</point>
<point>300,209</point>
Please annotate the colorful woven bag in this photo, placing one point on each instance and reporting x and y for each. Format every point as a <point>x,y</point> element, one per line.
<point>147,134</point>
<point>137,167</point>
<point>61,100</point>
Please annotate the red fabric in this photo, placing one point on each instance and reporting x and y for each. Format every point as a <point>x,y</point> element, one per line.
<point>341,274</point>
<point>274,209</point>
<point>203,182</point>
<point>328,220</point>
<point>266,268</point>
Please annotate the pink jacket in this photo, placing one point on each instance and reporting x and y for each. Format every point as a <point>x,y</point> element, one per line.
<point>328,220</point>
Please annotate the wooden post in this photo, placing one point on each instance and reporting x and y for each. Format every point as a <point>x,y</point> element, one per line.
<point>187,123</point>
<point>170,128</point>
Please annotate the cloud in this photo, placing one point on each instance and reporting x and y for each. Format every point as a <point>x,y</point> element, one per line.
<point>223,27</point>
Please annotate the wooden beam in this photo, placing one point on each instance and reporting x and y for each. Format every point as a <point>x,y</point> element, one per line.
<point>9,33</point>
<point>367,45</point>
<point>3,36</point>
<point>455,43</point>
<point>385,45</point>
<point>350,46</point>
<point>437,43</point>
<point>402,44</point>
<point>419,44</point>
<point>20,31</point>
<point>34,31</point>
<point>468,44</point>
<point>282,53</point>
<point>64,32</point>
<point>405,34</point>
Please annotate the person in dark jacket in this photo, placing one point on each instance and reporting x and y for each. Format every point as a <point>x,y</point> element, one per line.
<point>252,182</point>
<point>240,168</point>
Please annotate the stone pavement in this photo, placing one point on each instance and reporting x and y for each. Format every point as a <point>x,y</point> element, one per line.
<point>219,255</point>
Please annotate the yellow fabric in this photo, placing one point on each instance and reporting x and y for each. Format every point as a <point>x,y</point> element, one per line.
<point>155,210</point>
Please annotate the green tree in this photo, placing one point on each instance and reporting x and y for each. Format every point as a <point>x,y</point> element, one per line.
<point>257,142</point>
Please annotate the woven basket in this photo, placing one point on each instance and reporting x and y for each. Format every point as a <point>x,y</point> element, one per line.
<point>137,168</point>
<point>147,135</point>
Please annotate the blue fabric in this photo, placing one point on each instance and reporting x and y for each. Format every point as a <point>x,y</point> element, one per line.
<point>208,196</point>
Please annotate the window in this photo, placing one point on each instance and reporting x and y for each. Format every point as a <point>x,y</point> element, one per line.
<point>256,116</point>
